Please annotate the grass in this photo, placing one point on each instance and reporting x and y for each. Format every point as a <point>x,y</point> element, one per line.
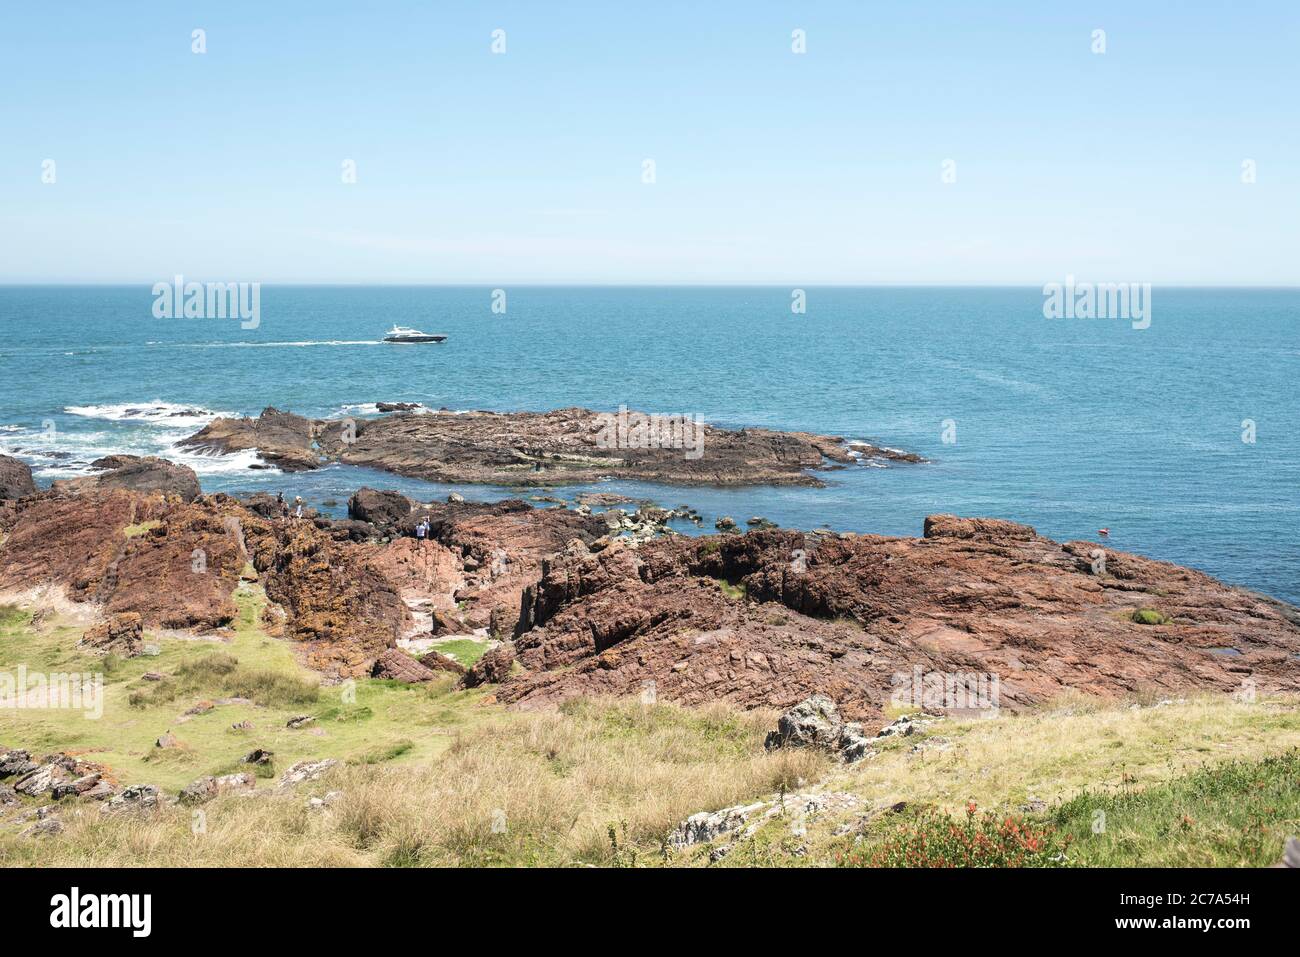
<point>536,788</point>
<point>464,650</point>
<point>1233,814</point>
<point>1077,754</point>
<point>434,776</point>
<point>1149,616</point>
<point>734,592</point>
<point>353,719</point>
<point>977,839</point>
<point>134,531</point>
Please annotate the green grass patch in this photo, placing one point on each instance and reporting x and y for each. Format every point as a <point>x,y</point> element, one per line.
<point>354,718</point>
<point>734,592</point>
<point>135,531</point>
<point>465,650</point>
<point>1234,814</point>
<point>1149,616</point>
<point>386,753</point>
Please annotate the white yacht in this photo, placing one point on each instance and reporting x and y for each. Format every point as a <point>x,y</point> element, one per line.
<point>406,334</point>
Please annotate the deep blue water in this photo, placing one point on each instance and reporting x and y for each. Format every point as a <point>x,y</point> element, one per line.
<point>1069,425</point>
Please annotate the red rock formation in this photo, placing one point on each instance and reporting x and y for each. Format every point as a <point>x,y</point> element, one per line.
<point>493,668</point>
<point>437,661</point>
<point>397,665</point>
<point>855,617</point>
<point>338,602</point>
<point>121,634</point>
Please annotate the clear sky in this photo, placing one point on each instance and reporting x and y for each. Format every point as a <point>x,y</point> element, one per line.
<point>770,166</point>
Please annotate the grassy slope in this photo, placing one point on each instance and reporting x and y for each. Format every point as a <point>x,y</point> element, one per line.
<point>382,716</point>
<point>1214,761</point>
<point>436,776</point>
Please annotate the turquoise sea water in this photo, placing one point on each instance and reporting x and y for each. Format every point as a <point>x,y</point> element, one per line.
<point>1069,425</point>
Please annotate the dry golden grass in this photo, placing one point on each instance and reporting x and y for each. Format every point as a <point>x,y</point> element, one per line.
<point>553,784</point>
<point>1076,742</point>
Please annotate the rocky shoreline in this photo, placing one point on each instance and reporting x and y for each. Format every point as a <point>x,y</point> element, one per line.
<point>565,446</point>
<point>578,603</point>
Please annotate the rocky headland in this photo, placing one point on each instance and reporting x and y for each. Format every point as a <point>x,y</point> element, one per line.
<point>565,446</point>
<point>574,603</point>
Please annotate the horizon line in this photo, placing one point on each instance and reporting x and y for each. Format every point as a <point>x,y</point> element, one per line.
<point>717,284</point>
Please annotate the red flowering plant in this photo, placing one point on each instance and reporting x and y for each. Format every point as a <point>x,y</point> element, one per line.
<point>983,839</point>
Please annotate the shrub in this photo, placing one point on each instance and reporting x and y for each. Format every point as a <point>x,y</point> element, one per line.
<point>1149,616</point>
<point>981,840</point>
<point>209,666</point>
<point>272,688</point>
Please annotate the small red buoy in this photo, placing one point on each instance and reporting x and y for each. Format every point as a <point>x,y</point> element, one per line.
<point>1103,531</point>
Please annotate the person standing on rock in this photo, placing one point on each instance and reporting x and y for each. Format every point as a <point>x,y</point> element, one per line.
<point>420,531</point>
<point>298,501</point>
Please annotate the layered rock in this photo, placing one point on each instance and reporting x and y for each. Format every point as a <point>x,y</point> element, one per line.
<point>479,557</point>
<point>530,448</point>
<point>122,635</point>
<point>397,665</point>
<point>173,564</point>
<point>493,668</point>
<point>771,617</point>
<point>336,600</point>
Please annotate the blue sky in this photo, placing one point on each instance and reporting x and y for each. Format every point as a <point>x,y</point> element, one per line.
<point>771,167</point>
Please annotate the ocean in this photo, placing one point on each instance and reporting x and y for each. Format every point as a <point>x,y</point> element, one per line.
<point>1070,425</point>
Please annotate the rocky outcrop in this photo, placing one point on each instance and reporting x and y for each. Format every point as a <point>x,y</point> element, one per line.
<point>984,529</point>
<point>493,668</point>
<point>122,635</point>
<point>345,597</point>
<point>173,564</point>
<point>437,661</point>
<point>397,665</point>
<point>137,799</point>
<point>337,602</point>
<point>137,474</point>
<point>388,510</point>
<point>281,438</point>
<point>978,614</point>
<point>531,448</point>
<point>15,478</point>
<point>816,723</point>
<point>206,788</point>
<point>56,775</point>
<point>306,771</point>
